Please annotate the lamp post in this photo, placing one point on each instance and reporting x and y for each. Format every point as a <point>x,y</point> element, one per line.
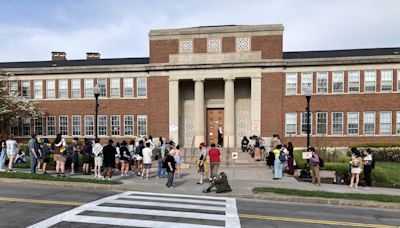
<point>96,95</point>
<point>308,93</point>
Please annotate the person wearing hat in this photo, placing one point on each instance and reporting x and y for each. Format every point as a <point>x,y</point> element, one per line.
<point>45,155</point>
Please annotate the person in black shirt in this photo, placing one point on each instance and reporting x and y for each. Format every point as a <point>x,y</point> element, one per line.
<point>245,142</point>
<point>170,166</point>
<point>290,159</point>
<point>109,153</point>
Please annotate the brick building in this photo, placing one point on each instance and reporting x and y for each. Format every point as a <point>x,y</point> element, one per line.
<point>198,80</point>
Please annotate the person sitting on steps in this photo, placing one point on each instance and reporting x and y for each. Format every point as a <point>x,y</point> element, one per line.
<point>220,183</point>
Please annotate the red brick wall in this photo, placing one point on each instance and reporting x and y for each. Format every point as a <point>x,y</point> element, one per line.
<point>200,45</point>
<point>161,49</point>
<point>271,46</point>
<point>228,44</point>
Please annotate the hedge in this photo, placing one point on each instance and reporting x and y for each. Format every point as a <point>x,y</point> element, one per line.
<point>374,145</point>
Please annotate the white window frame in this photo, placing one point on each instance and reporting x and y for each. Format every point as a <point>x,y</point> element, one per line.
<point>320,124</point>
<point>348,123</point>
<point>323,75</point>
<point>102,84</point>
<point>381,122</point>
<point>76,88</point>
<point>60,126</point>
<point>26,126</point>
<point>115,87</point>
<point>144,85</point>
<point>88,85</point>
<point>294,114</point>
<point>37,89</point>
<point>28,88</point>
<point>351,82</point>
<point>128,82</point>
<point>366,75</point>
<point>100,125</point>
<point>114,125</point>
<point>365,122</point>
<point>303,131</point>
<point>48,126</point>
<point>37,126</point>
<point>75,126</point>
<point>87,126</point>
<point>138,117</point>
<point>50,89</point>
<point>13,87</point>
<point>290,85</point>
<point>397,123</point>
<point>337,75</point>
<point>63,91</point>
<point>389,80</point>
<point>132,125</point>
<point>335,122</point>
<point>308,84</point>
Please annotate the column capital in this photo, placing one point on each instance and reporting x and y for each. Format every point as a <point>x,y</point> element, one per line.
<point>229,78</point>
<point>256,77</point>
<point>198,79</point>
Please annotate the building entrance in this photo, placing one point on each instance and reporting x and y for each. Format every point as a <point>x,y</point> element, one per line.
<point>215,125</point>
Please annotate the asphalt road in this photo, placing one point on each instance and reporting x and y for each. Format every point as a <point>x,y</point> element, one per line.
<point>22,206</point>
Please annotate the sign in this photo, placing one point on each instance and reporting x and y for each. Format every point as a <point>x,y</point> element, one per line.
<point>234,155</point>
<point>173,128</point>
<point>307,155</point>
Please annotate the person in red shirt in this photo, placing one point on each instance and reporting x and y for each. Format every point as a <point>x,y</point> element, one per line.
<point>214,154</point>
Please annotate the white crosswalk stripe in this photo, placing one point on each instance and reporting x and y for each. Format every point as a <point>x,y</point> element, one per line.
<point>146,209</point>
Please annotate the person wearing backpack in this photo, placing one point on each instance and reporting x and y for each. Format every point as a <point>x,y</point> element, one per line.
<point>368,166</point>
<point>280,158</point>
<point>314,166</point>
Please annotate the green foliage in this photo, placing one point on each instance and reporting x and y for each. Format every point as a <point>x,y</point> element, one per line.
<point>341,169</point>
<point>300,162</point>
<point>375,145</point>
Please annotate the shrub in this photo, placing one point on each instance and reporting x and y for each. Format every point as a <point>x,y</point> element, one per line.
<point>300,162</point>
<point>390,154</point>
<point>375,145</point>
<point>341,169</point>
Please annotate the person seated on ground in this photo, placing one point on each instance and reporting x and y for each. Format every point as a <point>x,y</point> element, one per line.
<point>20,158</point>
<point>220,183</point>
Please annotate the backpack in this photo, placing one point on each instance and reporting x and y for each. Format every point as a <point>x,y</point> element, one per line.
<point>321,162</point>
<point>282,156</point>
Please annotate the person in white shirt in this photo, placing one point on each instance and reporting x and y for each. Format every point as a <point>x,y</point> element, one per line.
<point>12,149</point>
<point>152,145</point>
<point>147,155</point>
<point>98,157</point>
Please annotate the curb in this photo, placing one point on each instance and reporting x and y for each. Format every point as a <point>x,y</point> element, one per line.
<point>328,201</point>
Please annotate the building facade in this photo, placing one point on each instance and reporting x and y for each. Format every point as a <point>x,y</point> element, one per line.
<point>235,79</point>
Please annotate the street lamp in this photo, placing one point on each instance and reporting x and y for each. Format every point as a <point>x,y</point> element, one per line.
<point>308,93</point>
<point>96,95</point>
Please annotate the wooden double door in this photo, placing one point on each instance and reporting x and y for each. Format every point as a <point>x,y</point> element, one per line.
<point>215,123</point>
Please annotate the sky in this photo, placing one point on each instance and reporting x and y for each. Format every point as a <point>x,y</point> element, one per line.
<point>31,29</point>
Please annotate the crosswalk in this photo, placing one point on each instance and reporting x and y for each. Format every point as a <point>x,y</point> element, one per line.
<point>142,209</point>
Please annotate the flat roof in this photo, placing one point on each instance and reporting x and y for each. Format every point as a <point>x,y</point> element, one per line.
<point>342,53</point>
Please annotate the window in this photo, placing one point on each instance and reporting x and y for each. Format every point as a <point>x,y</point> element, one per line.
<point>76,88</point>
<point>291,83</point>
<point>142,87</point>
<point>322,123</point>
<point>214,45</point>
<point>115,84</point>
<point>38,89</point>
<point>322,82</point>
<point>89,88</point>
<point>369,81</point>
<point>13,88</point>
<point>398,123</point>
<point>306,82</point>
<point>102,125</point>
<point>369,123</point>
<point>128,87</point>
<point>337,82</point>
<point>115,125</point>
<point>50,89</point>
<point>128,125</point>
<point>102,83</point>
<point>354,81</point>
<point>386,80</point>
<point>337,123</point>
<point>352,123</point>
<point>14,129</point>
<point>63,88</point>
<point>26,89</point>
<point>76,125</point>
<point>38,125</point>
<point>26,126</point>
<point>142,125</point>
<point>304,123</point>
<point>185,46</point>
<point>51,125</point>
<point>89,125</point>
<point>385,127</point>
<point>63,128</point>
<point>290,123</point>
<point>398,80</point>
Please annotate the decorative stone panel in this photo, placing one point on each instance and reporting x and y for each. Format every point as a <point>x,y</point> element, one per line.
<point>214,45</point>
<point>243,44</point>
<point>189,131</point>
<point>185,46</point>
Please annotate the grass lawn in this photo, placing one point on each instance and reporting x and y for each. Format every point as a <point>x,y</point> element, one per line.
<point>391,170</point>
<point>53,178</point>
<point>352,196</point>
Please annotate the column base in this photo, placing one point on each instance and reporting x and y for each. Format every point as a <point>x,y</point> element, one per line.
<point>229,141</point>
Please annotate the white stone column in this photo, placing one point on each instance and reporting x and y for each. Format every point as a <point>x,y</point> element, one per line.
<point>256,105</point>
<point>174,109</point>
<point>199,112</point>
<point>229,113</point>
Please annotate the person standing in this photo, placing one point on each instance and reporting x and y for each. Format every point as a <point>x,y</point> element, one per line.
<point>290,159</point>
<point>170,166</point>
<point>314,166</point>
<point>368,166</point>
<point>109,153</point>
<point>202,163</point>
<point>125,158</point>
<point>45,155</point>
<point>12,149</point>
<point>33,153</point>
<point>139,158</point>
<point>147,155</point>
<point>277,162</point>
<point>59,155</point>
<point>3,153</point>
<point>87,153</point>
<point>97,151</point>
<point>356,162</point>
<point>73,149</point>
<point>160,156</point>
<point>178,157</point>
<point>215,160</point>
<point>220,137</point>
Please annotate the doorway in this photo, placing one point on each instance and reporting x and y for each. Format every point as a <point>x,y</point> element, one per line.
<point>215,124</point>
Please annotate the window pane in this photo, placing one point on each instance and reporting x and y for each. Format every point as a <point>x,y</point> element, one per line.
<point>63,88</point>
<point>26,126</point>
<point>291,83</point>
<point>304,123</point>
<point>386,80</point>
<point>369,81</point>
<point>306,82</point>
<point>38,89</point>
<point>352,123</point>
<point>89,125</point>
<point>13,88</point>
<point>63,127</point>
<point>38,125</point>
<point>128,125</point>
<point>76,125</point>
<point>337,123</point>
<point>14,126</point>
<point>385,123</point>
<point>51,125</point>
<point>322,82</point>
<point>26,90</point>
<point>102,83</point>
<point>142,125</point>
<point>141,87</point>
<point>369,123</point>
<point>115,125</point>
<point>115,84</point>
<point>50,89</point>
<point>128,87</point>
<point>76,88</point>
<point>322,123</point>
<point>337,82</point>
<point>89,88</point>
<point>354,81</point>
<point>102,125</point>
<point>397,122</point>
<point>291,123</point>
